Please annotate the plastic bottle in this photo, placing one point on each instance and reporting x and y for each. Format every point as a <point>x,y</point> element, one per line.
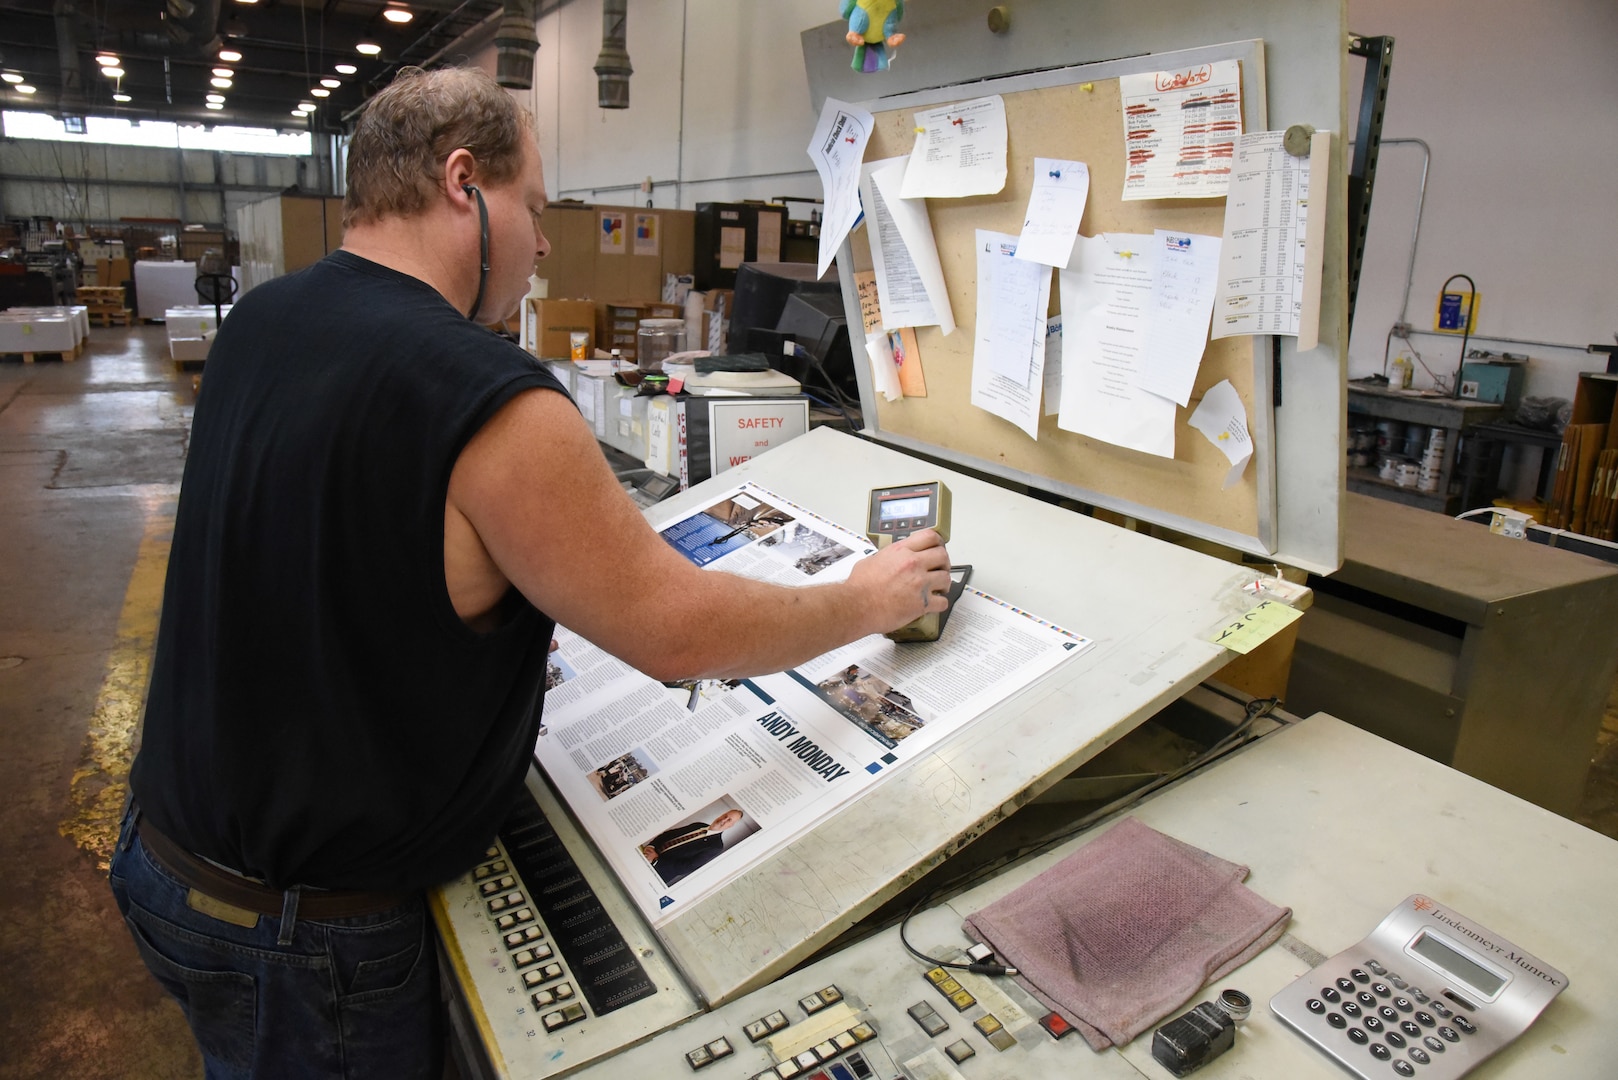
<point>1401,372</point>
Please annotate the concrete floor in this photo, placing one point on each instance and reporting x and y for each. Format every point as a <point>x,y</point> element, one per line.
<point>90,461</point>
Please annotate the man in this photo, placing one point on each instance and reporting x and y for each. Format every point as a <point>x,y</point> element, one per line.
<point>675,853</point>
<point>377,530</point>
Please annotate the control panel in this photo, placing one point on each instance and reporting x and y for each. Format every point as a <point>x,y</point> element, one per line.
<point>561,968</point>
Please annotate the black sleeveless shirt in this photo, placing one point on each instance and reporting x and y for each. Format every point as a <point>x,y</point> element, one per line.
<point>318,714</point>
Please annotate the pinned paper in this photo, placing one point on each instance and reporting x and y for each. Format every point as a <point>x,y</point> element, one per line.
<point>646,239</point>
<point>1053,365</point>
<point>1253,629</point>
<point>1008,354</point>
<point>884,372</point>
<point>1106,292</point>
<point>1275,228</point>
<point>960,150</point>
<point>1055,207</point>
<point>1180,130</point>
<point>1184,278</point>
<point>837,148</point>
<point>901,343</point>
<point>1222,417</point>
<point>909,276</point>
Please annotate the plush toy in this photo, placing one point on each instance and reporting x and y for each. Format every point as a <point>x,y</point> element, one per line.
<point>871,26</point>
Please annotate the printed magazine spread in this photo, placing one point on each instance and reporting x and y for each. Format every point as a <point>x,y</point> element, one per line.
<point>684,786</point>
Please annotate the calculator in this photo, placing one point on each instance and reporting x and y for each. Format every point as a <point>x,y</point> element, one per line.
<point>1429,993</point>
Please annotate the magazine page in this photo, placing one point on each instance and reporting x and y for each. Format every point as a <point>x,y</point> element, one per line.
<point>684,786</point>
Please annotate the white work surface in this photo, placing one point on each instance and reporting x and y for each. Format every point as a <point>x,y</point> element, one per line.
<point>1335,823</point>
<point>1149,606</point>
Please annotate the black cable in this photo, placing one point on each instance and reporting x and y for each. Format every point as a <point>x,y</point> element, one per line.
<point>1466,325</point>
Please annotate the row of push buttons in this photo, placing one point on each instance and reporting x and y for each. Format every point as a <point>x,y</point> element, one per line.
<point>856,1067</point>
<point>525,941</point>
<point>1381,1019</point>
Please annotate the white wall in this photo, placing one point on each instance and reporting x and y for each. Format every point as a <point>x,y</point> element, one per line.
<point>718,105</point>
<point>1520,106</point>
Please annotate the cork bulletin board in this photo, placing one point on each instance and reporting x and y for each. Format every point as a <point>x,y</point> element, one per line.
<point>1075,113</point>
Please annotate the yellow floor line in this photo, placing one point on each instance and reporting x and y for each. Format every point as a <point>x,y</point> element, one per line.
<point>101,781</point>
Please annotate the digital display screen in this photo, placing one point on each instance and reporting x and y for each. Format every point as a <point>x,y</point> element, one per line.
<point>1457,964</point>
<point>914,506</point>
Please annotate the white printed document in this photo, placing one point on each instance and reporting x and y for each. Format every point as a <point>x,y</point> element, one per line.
<point>1106,293</point>
<point>1275,228</point>
<point>1055,208</point>
<point>684,787</point>
<point>960,150</point>
<point>1180,130</point>
<point>1185,273</point>
<point>909,278</point>
<point>837,148</point>
<point>1008,353</point>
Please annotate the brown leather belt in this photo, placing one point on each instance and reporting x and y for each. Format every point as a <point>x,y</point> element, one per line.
<point>252,896</point>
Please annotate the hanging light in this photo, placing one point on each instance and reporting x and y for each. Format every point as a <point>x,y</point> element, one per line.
<point>122,97</point>
<point>230,56</point>
<point>213,98</point>
<point>224,72</point>
<point>107,59</point>
<point>321,91</point>
<point>346,69</point>
<point>367,48</point>
<point>113,72</point>
<point>11,77</point>
<point>24,88</point>
<point>306,106</point>
<point>331,84</point>
<point>397,13</point>
<point>214,105</point>
<point>299,113</point>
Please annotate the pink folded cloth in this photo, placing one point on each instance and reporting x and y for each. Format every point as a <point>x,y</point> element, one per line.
<point>1127,929</point>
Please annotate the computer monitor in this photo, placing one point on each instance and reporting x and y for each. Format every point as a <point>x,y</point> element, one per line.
<point>761,322</point>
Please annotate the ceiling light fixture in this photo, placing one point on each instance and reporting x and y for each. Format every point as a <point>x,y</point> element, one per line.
<point>214,105</point>
<point>122,97</point>
<point>223,84</point>
<point>11,77</point>
<point>230,56</point>
<point>346,69</point>
<point>224,73</point>
<point>397,13</point>
<point>113,72</point>
<point>300,114</point>
<point>331,84</point>
<point>220,98</point>
<point>107,59</point>
<point>306,106</point>
<point>368,48</point>
<point>24,88</point>
<point>321,91</point>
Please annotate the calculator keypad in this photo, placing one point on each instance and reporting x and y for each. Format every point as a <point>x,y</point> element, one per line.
<point>1388,1024</point>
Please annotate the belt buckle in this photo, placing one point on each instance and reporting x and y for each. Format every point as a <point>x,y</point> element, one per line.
<point>218,909</point>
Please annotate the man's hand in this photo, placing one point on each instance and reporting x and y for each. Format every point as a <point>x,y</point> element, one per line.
<point>904,581</point>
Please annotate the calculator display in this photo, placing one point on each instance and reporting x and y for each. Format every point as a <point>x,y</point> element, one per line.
<point>1456,964</point>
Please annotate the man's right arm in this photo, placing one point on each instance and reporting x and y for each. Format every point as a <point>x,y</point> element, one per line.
<point>538,495</point>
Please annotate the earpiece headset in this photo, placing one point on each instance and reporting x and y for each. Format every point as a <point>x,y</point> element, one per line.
<point>483,245</point>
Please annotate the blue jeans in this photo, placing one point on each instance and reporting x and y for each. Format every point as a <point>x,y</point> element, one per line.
<point>352,998</point>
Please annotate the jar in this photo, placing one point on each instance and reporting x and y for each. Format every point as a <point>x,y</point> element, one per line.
<point>655,339</point>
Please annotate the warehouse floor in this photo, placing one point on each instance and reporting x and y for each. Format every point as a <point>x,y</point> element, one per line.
<point>91,454</point>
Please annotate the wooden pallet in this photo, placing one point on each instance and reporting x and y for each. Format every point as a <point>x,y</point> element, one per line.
<point>100,316</point>
<point>30,357</point>
<point>181,366</point>
<point>102,295</point>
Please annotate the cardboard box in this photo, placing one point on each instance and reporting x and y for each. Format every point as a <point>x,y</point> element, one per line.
<point>552,322</point>
<point>112,271</point>
<point>617,323</point>
<point>627,261</point>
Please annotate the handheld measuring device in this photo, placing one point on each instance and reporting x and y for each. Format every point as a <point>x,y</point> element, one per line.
<point>895,513</point>
<point>1428,993</point>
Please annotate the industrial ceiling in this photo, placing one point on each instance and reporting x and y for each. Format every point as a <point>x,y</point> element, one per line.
<point>168,50</point>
